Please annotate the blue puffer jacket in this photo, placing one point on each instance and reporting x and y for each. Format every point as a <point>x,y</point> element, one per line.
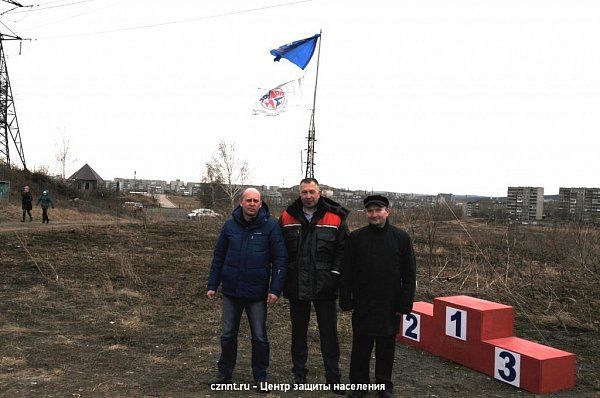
<point>246,256</point>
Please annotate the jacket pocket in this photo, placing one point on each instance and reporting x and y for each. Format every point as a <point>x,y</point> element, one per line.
<point>325,245</point>
<point>291,237</point>
<point>325,280</point>
<point>258,243</point>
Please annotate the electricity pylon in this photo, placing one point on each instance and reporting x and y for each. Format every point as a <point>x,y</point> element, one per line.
<point>9,124</point>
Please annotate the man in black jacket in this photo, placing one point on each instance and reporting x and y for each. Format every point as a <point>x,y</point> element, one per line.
<point>26,203</point>
<point>314,230</point>
<point>378,282</point>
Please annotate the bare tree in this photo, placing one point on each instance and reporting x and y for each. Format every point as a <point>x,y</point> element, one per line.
<point>227,171</point>
<point>64,156</point>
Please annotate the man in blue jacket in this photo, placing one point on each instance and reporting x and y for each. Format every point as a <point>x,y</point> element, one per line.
<point>249,262</point>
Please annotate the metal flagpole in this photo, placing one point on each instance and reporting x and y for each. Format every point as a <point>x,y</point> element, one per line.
<point>310,156</point>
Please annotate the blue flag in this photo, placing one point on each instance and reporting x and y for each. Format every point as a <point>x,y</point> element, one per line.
<point>299,52</point>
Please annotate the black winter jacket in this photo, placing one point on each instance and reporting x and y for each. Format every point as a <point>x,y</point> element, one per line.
<point>26,201</point>
<point>378,279</point>
<point>315,250</point>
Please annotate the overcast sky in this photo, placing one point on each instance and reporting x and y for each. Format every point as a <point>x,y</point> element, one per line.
<point>427,96</point>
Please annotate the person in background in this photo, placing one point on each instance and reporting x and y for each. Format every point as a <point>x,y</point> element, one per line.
<point>26,203</point>
<point>46,201</point>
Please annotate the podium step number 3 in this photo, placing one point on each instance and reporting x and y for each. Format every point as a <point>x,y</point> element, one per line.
<point>507,366</point>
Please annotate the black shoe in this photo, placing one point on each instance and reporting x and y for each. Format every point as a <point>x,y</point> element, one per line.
<point>336,391</point>
<point>222,379</point>
<point>332,387</point>
<point>299,379</point>
<point>261,386</point>
<point>23,220</point>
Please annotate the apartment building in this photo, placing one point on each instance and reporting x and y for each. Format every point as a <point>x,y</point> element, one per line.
<point>525,203</point>
<point>579,204</point>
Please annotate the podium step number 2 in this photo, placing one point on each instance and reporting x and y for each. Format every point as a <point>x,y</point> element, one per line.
<point>411,326</point>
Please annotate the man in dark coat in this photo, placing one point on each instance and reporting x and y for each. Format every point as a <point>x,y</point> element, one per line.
<point>250,252</point>
<point>26,203</point>
<point>314,229</point>
<point>378,282</point>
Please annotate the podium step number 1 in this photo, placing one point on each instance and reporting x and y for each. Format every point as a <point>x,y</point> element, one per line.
<point>456,323</point>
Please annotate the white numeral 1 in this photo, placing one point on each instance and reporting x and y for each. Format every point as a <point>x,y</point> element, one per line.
<point>456,323</point>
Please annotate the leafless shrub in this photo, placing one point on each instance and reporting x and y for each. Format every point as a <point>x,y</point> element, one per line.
<point>40,265</point>
<point>128,272</point>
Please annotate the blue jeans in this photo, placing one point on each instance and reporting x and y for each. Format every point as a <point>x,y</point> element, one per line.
<point>256,310</point>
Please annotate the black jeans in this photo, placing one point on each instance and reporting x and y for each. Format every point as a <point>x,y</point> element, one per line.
<point>256,310</point>
<point>362,346</point>
<point>327,321</point>
<point>45,218</point>
<point>28,212</point>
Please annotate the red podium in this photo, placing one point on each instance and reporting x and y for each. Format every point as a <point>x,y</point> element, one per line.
<point>479,334</point>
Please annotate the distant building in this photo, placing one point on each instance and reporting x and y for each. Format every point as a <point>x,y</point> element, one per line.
<point>137,185</point>
<point>525,203</point>
<point>444,198</point>
<point>4,190</point>
<point>328,193</point>
<point>471,209</point>
<point>174,186</point>
<point>272,197</point>
<point>580,204</point>
<point>86,179</point>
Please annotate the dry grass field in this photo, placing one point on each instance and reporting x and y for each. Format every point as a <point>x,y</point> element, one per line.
<point>119,310</point>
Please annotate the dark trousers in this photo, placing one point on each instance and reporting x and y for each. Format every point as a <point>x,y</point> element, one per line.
<point>256,311</point>
<point>45,218</point>
<point>362,346</point>
<point>327,322</point>
<point>28,212</point>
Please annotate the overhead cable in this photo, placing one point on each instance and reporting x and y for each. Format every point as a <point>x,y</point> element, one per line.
<point>187,20</point>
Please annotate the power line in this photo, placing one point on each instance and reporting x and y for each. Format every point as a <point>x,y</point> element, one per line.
<point>73,16</point>
<point>48,8</point>
<point>187,20</point>
<point>10,30</point>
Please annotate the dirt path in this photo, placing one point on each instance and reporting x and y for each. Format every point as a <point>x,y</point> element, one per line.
<point>164,201</point>
<point>38,226</point>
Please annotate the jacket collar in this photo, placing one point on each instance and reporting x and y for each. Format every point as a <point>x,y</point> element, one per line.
<point>377,230</point>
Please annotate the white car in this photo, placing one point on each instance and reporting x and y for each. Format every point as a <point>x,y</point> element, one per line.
<point>134,205</point>
<point>199,213</point>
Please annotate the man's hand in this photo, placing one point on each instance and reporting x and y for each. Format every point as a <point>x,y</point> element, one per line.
<point>272,298</point>
<point>211,294</point>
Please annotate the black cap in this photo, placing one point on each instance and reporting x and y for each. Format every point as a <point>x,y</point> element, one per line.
<point>377,200</point>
